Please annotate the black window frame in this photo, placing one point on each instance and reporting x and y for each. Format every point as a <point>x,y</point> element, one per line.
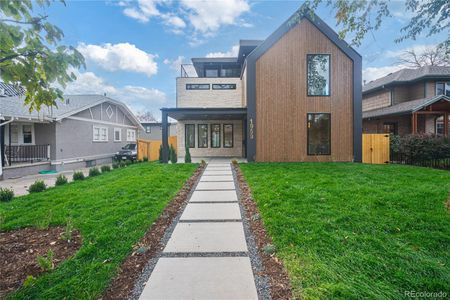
<point>185,135</point>
<point>215,86</point>
<point>307,134</point>
<point>198,135</point>
<point>190,87</point>
<point>329,74</point>
<point>211,134</point>
<point>232,135</point>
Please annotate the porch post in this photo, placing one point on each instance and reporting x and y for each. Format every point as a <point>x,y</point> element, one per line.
<point>165,137</point>
<point>446,123</point>
<point>2,145</point>
<point>9,138</point>
<point>414,123</point>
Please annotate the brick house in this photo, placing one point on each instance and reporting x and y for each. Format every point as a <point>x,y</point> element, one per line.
<point>408,101</point>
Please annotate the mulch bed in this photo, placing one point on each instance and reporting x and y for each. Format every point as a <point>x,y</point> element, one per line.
<point>280,287</point>
<point>149,246</point>
<point>20,248</point>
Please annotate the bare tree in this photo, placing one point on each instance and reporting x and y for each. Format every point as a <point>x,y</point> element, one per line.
<point>146,117</point>
<point>433,56</point>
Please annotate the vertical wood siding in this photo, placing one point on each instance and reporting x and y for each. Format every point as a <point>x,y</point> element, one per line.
<point>282,102</point>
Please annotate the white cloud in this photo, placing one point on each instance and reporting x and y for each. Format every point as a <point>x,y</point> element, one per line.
<point>136,97</point>
<point>207,16</point>
<point>372,73</point>
<point>418,49</point>
<point>122,56</point>
<point>174,64</point>
<point>233,52</point>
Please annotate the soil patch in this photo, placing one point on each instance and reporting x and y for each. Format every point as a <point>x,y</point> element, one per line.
<point>280,287</point>
<point>150,245</point>
<point>20,248</point>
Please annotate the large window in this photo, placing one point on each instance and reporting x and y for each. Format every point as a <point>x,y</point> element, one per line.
<point>199,86</point>
<point>228,135</point>
<point>100,134</point>
<point>319,134</point>
<point>215,135</point>
<point>318,74</point>
<point>211,73</point>
<point>202,135</point>
<point>190,135</point>
<point>443,88</point>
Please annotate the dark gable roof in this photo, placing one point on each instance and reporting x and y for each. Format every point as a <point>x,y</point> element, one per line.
<point>407,75</point>
<point>404,107</point>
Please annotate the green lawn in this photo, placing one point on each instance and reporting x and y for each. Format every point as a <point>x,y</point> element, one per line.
<point>112,212</point>
<point>354,231</point>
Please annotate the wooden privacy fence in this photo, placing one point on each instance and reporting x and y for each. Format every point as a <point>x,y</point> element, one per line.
<point>150,148</point>
<point>375,148</point>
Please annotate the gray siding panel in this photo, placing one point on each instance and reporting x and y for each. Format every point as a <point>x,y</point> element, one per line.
<point>45,134</point>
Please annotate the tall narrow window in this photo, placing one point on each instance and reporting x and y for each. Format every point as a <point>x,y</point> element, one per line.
<point>202,135</point>
<point>318,74</point>
<point>14,134</point>
<point>190,135</point>
<point>228,135</point>
<point>319,134</point>
<point>27,132</point>
<point>215,135</point>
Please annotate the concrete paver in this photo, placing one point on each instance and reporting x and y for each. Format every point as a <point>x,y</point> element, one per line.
<point>216,178</point>
<point>201,278</point>
<point>207,237</point>
<point>215,186</point>
<point>211,211</point>
<point>214,196</point>
<point>217,173</point>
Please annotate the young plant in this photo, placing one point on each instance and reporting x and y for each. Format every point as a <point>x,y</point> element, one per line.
<point>78,176</point>
<point>128,162</point>
<point>29,281</point>
<point>115,165</point>
<point>105,168</point>
<point>122,164</point>
<point>67,234</point>
<point>37,186</point>
<point>6,194</point>
<point>94,171</point>
<point>61,180</point>
<point>187,157</point>
<point>173,155</point>
<point>46,262</point>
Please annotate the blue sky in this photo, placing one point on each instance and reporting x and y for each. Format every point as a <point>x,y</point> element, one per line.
<point>133,49</point>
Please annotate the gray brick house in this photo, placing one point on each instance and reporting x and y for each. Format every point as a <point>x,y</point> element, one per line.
<point>83,131</point>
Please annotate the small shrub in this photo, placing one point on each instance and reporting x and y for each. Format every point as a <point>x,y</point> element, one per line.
<point>105,168</point>
<point>122,164</point>
<point>6,194</point>
<point>160,154</point>
<point>203,162</point>
<point>128,162</point>
<point>269,249</point>
<point>145,158</point>
<point>67,234</point>
<point>37,186</point>
<point>46,262</point>
<point>234,162</point>
<point>78,176</point>
<point>94,172</point>
<point>61,180</point>
<point>29,281</point>
<point>115,165</point>
<point>187,157</point>
<point>173,155</point>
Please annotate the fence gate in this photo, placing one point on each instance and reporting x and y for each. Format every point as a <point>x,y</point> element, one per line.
<point>375,148</point>
<point>150,148</point>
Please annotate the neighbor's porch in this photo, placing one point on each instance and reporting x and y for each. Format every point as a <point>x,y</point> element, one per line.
<point>207,132</point>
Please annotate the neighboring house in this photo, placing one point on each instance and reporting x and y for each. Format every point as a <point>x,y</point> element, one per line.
<point>408,101</point>
<point>295,96</point>
<point>82,131</point>
<point>153,130</point>
<point>9,90</point>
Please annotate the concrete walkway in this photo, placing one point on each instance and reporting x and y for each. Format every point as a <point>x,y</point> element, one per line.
<point>206,256</point>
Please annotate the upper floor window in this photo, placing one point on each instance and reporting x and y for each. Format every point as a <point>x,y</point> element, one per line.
<point>193,86</point>
<point>211,72</point>
<point>318,81</point>
<point>319,134</point>
<point>148,129</point>
<point>226,86</point>
<point>230,72</point>
<point>443,88</point>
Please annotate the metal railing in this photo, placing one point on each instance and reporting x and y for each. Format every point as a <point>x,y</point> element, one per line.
<point>26,153</point>
<point>187,70</point>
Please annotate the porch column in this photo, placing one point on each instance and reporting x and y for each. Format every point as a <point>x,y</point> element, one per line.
<point>414,123</point>
<point>446,123</point>
<point>165,137</point>
<point>9,138</point>
<point>2,144</point>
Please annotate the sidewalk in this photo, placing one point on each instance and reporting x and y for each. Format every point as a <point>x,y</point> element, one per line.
<point>207,256</point>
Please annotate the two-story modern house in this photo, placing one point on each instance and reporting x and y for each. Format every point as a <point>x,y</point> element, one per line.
<point>295,96</point>
<point>408,101</point>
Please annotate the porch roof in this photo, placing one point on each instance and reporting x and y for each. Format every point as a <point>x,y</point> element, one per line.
<point>200,113</point>
<point>404,107</point>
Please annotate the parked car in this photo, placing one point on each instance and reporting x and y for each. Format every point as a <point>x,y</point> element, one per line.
<point>128,152</point>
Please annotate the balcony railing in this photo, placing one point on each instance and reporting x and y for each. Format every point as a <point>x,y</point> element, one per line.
<point>187,70</point>
<point>26,153</point>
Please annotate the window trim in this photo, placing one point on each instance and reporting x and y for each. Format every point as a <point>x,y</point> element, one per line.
<point>329,74</point>
<point>198,136</point>
<point>135,138</point>
<point>120,134</point>
<point>185,135</point>
<point>100,134</point>
<point>232,135</point>
<point>198,89</point>
<point>220,129</point>
<point>307,134</point>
